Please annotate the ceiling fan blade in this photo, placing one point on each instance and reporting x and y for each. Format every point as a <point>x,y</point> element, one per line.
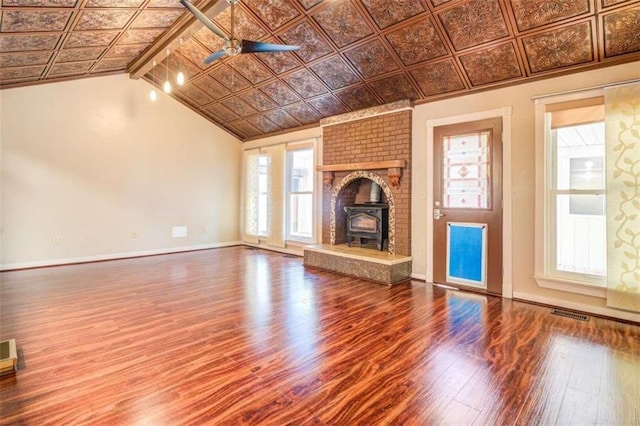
<point>249,46</point>
<point>203,18</point>
<point>214,56</point>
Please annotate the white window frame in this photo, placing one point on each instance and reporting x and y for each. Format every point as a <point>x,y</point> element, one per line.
<point>288,193</point>
<point>546,274</point>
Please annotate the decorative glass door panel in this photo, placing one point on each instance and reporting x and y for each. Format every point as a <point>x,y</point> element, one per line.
<point>466,162</point>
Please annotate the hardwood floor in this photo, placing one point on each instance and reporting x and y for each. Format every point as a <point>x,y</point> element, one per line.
<point>237,335</point>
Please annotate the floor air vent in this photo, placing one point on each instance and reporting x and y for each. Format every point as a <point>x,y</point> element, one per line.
<point>569,314</point>
<point>290,256</point>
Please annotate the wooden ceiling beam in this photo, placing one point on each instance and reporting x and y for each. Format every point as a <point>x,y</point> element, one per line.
<point>183,28</point>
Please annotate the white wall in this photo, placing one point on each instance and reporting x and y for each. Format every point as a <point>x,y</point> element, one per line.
<point>95,163</point>
<point>518,98</point>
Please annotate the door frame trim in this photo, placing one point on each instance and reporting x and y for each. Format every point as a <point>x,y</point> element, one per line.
<point>505,114</point>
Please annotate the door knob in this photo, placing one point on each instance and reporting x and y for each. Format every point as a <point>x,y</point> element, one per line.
<point>437,215</point>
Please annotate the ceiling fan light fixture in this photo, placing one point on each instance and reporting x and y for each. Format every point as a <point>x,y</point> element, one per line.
<point>232,46</point>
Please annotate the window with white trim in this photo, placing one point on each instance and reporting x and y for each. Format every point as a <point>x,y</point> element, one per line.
<point>572,195</point>
<point>300,174</point>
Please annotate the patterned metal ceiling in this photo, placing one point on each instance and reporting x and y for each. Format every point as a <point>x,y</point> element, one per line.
<point>354,53</point>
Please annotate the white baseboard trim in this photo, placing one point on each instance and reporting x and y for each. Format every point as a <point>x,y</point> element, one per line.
<point>114,256</point>
<point>596,310</point>
<point>421,277</point>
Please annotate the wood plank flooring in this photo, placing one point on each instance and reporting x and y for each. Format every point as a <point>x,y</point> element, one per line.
<point>245,336</point>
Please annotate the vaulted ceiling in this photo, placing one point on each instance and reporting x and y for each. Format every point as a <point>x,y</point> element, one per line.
<point>354,53</point>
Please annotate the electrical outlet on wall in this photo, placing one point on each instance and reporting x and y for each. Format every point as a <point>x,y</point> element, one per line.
<point>134,235</point>
<point>55,240</point>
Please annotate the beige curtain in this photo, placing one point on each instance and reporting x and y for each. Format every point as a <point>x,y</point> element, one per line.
<point>250,188</point>
<point>276,194</point>
<point>622,124</point>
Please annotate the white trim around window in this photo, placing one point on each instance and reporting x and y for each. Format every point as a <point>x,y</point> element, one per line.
<point>546,273</point>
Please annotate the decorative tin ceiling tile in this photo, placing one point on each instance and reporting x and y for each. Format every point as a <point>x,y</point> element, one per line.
<point>238,106</point>
<point>245,128</point>
<point>34,20</point>
<point>20,42</point>
<point>530,14</point>
<point>112,64</point>
<point>178,63</point>
<point>305,84</point>
<point>156,18</point>
<point>559,48</point>
<point>279,62</point>
<point>303,113</point>
<point>193,51</point>
<point>39,3</point>
<point>274,13</point>
<point>221,112</point>
<point>389,12</point>
<point>622,32</point>
<point>139,36</point>
<point>328,105</point>
<point>263,123</point>
<point>281,118</point>
<point>71,68</point>
<point>103,19</point>
<point>438,78</point>
<point>371,59</point>
<point>474,22</point>
<point>20,73</point>
<point>250,68</point>
<point>21,59</point>
<point>258,100</point>
<point>77,55</point>
<point>196,95</point>
<point>245,27</point>
<point>208,39</point>
<point>128,50</point>
<point>308,4</point>
<point>212,87</point>
<point>165,3</point>
<point>114,3</point>
<point>492,65</point>
<point>312,45</point>
<point>358,97</point>
<point>279,92</point>
<point>394,88</point>
<point>343,23</point>
<point>90,38</point>
<point>335,72</point>
<point>229,78</point>
<point>436,3</point>
<point>417,42</point>
<point>608,3</point>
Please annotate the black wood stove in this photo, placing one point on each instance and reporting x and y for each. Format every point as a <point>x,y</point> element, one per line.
<point>369,221</point>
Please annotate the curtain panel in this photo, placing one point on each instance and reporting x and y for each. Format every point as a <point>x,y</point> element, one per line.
<point>622,124</point>
<point>250,188</point>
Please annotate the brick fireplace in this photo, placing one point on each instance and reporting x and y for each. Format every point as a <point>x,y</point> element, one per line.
<point>372,145</point>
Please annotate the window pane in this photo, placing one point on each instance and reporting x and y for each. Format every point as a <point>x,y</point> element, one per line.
<point>581,234</point>
<point>300,215</point>
<point>465,180</point>
<point>580,157</point>
<point>301,173</point>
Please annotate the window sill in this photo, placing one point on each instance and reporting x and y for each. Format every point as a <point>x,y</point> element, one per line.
<point>571,286</point>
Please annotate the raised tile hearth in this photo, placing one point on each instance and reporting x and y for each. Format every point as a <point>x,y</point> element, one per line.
<point>372,265</point>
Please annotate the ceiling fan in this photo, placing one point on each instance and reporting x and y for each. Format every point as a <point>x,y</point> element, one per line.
<point>233,46</point>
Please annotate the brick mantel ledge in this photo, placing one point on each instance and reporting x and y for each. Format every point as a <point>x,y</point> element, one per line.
<point>394,170</point>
